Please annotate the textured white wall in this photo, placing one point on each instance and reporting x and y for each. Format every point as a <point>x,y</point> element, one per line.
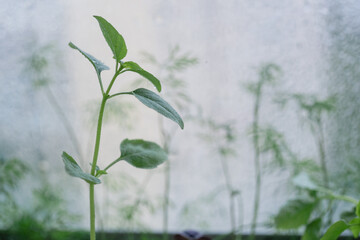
<point>230,38</point>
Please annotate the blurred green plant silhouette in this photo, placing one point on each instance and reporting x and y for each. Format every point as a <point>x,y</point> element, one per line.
<point>308,212</point>
<point>268,75</point>
<point>136,201</point>
<point>170,71</point>
<point>12,171</point>
<point>47,211</point>
<point>195,213</point>
<point>38,67</point>
<point>311,111</point>
<point>316,202</point>
<point>222,137</point>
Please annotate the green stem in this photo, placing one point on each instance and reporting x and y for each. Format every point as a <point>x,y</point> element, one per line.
<point>96,150</point>
<point>117,94</point>
<point>92,212</point>
<point>346,199</point>
<point>96,155</point>
<point>100,82</point>
<point>117,73</point>
<point>321,146</point>
<point>257,161</point>
<point>230,191</point>
<point>98,135</point>
<point>112,163</point>
<point>93,168</point>
<point>329,194</point>
<point>240,217</point>
<point>166,201</point>
<point>167,175</point>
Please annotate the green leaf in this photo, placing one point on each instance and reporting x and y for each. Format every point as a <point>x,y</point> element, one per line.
<point>355,227</point>
<point>113,38</point>
<point>134,67</point>
<point>73,169</point>
<point>142,154</point>
<point>155,102</point>
<point>335,230</point>
<point>294,214</point>
<point>98,65</point>
<point>312,230</point>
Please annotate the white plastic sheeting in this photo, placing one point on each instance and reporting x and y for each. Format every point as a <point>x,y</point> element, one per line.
<point>231,39</point>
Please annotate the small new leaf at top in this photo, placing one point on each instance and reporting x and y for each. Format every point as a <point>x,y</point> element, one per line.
<point>115,41</point>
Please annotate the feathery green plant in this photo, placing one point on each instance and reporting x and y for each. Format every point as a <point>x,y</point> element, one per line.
<point>310,209</point>
<point>222,138</point>
<point>38,68</point>
<point>138,153</point>
<point>314,110</point>
<point>170,69</point>
<point>268,74</point>
<point>12,171</point>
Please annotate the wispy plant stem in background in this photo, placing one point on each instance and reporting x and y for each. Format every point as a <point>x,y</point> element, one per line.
<point>141,191</point>
<point>232,196</point>
<point>175,63</point>
<point>266,76</point>
<point>240,216</point>
<point>167,168</point>
<point>224,137</point>
<point>166,200</point>
<point>321,147</point>
<point>65,121</point>
<point>38,67</point>
<point>255,127</point>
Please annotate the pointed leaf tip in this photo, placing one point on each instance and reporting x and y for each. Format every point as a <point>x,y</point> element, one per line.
<point>115,41</point>
<point>74,170</point>
<point>154,101</point>
<point>98,65</point>
<point>134,67</point>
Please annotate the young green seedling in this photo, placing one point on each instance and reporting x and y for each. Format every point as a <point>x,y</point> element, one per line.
<point>139,153</point>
